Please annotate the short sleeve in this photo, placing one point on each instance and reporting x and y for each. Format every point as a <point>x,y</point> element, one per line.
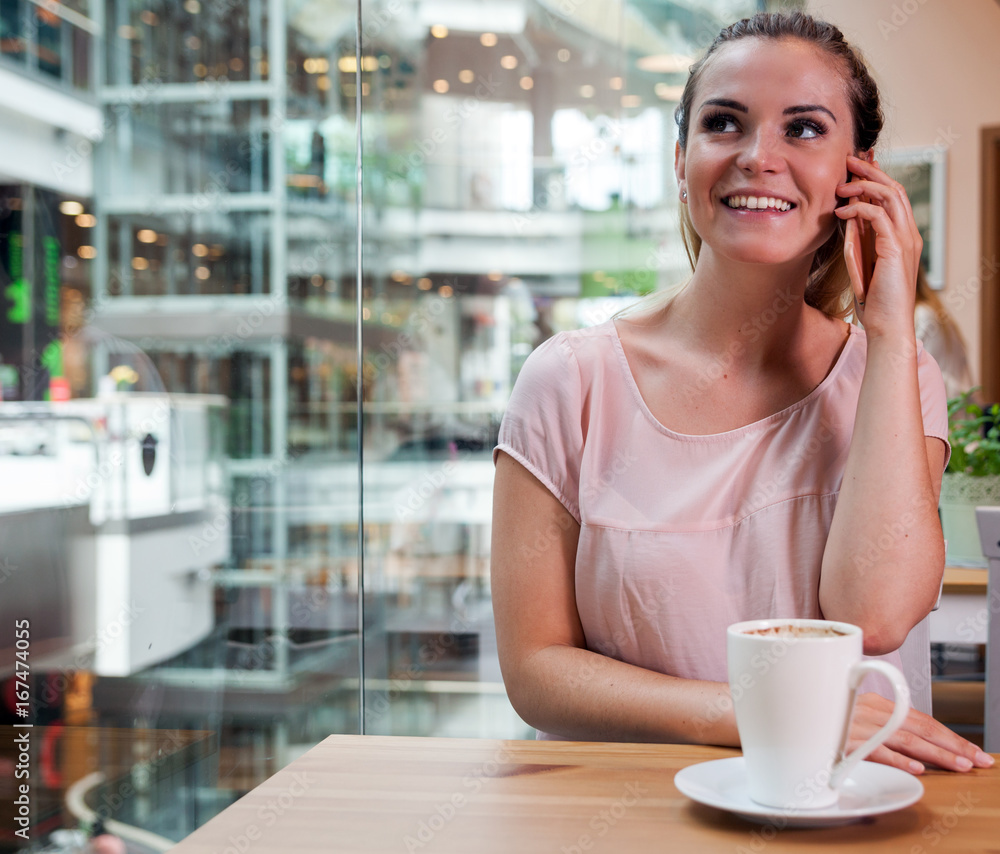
<point>933,399</point>
<point>542,427</point>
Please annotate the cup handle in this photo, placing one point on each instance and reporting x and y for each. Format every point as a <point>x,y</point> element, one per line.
<point>901,693</point>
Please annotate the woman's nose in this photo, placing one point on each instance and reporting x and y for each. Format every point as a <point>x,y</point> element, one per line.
<point>760,153</point>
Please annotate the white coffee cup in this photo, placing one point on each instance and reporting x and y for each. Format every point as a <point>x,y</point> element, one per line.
<point>793,693</point>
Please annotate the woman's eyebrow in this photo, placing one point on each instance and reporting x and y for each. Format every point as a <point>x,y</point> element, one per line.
<point>788,111</point>
<point>725,102</point>
<point>808,108</point>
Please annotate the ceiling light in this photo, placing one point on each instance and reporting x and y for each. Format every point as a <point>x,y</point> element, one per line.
<point>140,263</point>
<point>193,7</point>
<point>631,100</point>
<point>70,208</point>
<point>466,75</point>
<point>488,39</point>
<point>666,63</point>
<point>563,55</point>
<point>146,235</point>
<point>349,64</point>
<point>445,291</point>
<point>441,86</point>
<point>86,220</point>
<point>509,61</point>
<point>200,250</point>
<point>203,273</point>
<point>587,91</point>
<point>667,92</point>
<point>616,83</point>
<point>527,83</point>
<point>87,252</point>
<point>439,31</point>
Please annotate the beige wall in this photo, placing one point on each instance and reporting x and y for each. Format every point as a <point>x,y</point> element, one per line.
<point>937,63</point>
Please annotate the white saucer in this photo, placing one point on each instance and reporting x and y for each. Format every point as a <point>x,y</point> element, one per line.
<point>870,790</point>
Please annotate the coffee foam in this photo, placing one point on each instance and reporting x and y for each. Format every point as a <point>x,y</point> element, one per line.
<point>790,630</point>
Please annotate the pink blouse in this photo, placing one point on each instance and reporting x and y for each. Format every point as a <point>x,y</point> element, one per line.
<point>682,535</point>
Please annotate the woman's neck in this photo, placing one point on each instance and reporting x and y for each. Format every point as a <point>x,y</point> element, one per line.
<point>760,307</point>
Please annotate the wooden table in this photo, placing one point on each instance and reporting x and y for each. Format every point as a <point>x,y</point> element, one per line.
<point>470,796</point>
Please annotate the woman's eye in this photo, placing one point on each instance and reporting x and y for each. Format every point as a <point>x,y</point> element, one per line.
<point>720,124</point>
<point>805,130</point>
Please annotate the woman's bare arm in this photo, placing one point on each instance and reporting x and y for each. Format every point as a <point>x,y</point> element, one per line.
<point>884,557</point>
<point>555,683</point>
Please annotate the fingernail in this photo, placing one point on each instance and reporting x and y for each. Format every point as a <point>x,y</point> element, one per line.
<point>916,767</point>
<point>984,759</point>
<point>963,763</point>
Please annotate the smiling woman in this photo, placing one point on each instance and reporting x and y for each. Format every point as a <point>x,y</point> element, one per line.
<point>760,478</point>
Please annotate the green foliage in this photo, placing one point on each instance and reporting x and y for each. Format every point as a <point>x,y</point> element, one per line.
<point>974,434</point>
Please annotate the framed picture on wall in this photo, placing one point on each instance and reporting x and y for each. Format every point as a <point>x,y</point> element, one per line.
<point>922,172</point>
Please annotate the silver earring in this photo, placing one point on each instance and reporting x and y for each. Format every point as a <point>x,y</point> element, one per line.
<point>684,195</point>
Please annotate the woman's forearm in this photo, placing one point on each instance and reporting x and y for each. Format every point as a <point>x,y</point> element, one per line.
<point>885,554</point>
<point>582,695</point>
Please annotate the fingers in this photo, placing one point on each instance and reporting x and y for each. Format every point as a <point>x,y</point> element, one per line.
<point>892,198</point>
<point>920,740</point>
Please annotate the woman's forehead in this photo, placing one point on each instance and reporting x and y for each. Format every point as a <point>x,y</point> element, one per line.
<point>785,68</point>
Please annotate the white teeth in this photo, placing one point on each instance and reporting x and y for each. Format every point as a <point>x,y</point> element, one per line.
<point>758,203</point>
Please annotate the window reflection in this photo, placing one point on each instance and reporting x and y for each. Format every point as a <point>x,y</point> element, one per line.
<point>516,181</point>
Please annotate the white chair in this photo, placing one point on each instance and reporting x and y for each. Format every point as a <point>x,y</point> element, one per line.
<point>915,656</point>
<point>988,519</point>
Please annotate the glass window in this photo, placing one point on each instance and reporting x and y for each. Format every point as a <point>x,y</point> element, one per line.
<point>248,528</point>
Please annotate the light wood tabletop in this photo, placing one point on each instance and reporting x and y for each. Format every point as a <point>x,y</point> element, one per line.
<point>469,796</point>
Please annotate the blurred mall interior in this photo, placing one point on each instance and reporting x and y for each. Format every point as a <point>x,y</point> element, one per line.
<point>231,536</point>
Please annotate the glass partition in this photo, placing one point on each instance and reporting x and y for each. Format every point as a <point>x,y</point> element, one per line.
<point>324,565</point>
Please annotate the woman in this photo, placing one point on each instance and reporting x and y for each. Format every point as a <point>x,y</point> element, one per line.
<point>737,450</point>
<point>937,331</point>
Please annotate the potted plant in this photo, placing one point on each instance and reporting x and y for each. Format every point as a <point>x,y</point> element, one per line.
<point>972,478</point>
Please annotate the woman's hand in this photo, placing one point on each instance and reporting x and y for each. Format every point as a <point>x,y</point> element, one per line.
<point>879,204</point>
<point>921,739</point>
